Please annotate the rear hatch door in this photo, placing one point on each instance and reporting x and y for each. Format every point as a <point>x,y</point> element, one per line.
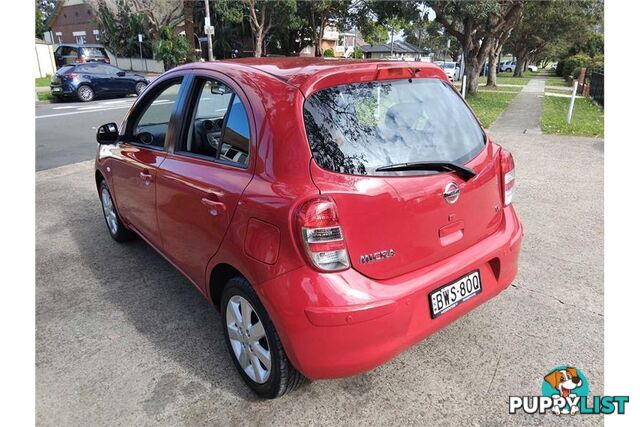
<point>397,222</point>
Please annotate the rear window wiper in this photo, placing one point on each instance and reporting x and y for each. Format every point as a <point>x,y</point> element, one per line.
<point>463,171</point>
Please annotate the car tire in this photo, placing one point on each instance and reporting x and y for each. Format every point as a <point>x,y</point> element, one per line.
<point>116,228</point>
<point>508,70</point>
<point>84,93</point>
<point>140,87</point>
<point>267,370</point>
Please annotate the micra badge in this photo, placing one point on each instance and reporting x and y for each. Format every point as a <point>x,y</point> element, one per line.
<point>377,256</point>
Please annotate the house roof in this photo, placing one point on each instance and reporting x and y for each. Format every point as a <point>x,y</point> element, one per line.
<point>398,47</point>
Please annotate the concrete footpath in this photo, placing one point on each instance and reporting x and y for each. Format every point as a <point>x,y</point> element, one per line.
<point>523,113</point>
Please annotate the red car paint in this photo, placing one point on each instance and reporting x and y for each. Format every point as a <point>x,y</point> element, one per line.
<point>332,324</point>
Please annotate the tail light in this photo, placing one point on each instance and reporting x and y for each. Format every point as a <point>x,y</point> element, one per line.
<point>70,76</point>
<point>508,168</point>
<point>321,234</point>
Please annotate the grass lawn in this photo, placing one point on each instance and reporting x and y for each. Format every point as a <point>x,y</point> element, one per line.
<point>489,105</point>
<point>45,96</point>
<point>554,90</point>
<point>494,89</point>
<point>556,81</point>
<point>43,81</point>
<point>507,78</point>
<point>588,117</point>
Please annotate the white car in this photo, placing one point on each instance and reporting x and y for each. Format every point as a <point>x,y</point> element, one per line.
<point>451,69</point>
<point>509,66</point>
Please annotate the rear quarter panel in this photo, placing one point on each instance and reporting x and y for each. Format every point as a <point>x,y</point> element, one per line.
<point>281,178</point>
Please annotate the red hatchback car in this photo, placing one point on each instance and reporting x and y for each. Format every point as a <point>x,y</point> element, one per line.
<point>336,212</point>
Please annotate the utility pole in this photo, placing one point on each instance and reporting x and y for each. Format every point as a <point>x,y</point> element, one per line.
<point>392,30</point>
<point>208,29</point>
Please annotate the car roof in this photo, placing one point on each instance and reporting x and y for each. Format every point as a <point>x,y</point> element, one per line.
<point>81,45</point>
<point>302,71</point>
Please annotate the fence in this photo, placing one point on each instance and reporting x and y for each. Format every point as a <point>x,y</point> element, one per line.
<point>45,63</point>
<point>596,86</point>
<point>137,64</point>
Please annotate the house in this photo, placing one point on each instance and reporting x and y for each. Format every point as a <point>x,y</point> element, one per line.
<point>342,43</point>
<point>399,50</point>
<point>73,21</point>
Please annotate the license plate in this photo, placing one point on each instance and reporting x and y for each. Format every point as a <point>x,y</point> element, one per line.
<point>449,296</point>
<point>56,89</point>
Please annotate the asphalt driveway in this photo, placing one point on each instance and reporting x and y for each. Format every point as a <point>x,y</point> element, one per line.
<point>122,338</point>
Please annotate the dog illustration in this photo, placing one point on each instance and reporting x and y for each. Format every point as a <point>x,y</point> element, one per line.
<point>564,380</point>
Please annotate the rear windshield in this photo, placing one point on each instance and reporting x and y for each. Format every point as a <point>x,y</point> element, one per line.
<point>93,51</point>
<point>65,69</point>
<point>357,128</point>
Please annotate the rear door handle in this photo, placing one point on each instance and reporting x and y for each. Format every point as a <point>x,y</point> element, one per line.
<point>214,207</point>
<point>146,176</point>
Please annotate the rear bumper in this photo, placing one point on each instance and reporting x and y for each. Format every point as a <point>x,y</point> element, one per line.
<point>64,89</point>
<point>342,324</point>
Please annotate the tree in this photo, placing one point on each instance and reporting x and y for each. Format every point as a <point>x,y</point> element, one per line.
<point>495,48</point>
<point>262,16</point>
<point>550,22</point>
<point>318,14</point>
<point>375,34</point>
<point>159,14</point>
<point>44,9</point>
<point>40,19</point>
<point>119,28</point>
<point>172,48</point>
<point>476,25</point>
<point>375,18</point>
<point>187,7</point>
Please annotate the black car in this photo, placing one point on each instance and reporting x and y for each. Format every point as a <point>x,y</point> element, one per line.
<point>79,53</point>
<point>87,81</point>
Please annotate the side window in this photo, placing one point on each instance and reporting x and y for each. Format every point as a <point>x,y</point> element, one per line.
<point>219,127</point>
<point>111,69</point>
<point>235,139</point>
<point>152,125</point>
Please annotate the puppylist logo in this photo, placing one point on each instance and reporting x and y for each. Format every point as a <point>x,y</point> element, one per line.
<point>565,391</point>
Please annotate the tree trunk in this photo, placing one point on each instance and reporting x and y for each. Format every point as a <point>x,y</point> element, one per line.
<point>188,27</point>
<point>472,71</point>
<point>259,40</point>
<point>491,72</point>
<point>319,36</point>
<point>521,63</point>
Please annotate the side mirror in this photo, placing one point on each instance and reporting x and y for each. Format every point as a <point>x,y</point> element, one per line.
<point>121,73</point>
<point>107,134</point>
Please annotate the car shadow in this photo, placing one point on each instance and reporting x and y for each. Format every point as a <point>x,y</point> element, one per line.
<point>157,300</point>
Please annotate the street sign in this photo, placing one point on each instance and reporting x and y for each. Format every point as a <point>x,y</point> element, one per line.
<point>209,30</point>
<point>139,38</point>
<point>207,22</point>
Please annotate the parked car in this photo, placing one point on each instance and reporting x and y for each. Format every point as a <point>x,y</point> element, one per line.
<point>451,69</point>
<point>335,212</point>
<point>86,81</point>
<point>80,53</point>
<point>508,66</point>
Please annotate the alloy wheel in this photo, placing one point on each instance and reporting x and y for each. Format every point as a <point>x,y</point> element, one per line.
<point>248,339</point>
<point>109,211</point>
<point>85,93</point>
<point>140,87</point>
